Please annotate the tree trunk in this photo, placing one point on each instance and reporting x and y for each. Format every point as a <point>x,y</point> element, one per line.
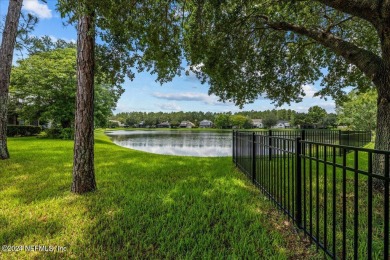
<point>6,55</point>
<point>382,141</point>
<point>382,83</point>
<point>83,166</point>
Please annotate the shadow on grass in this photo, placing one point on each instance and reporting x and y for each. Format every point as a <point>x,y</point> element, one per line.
<point>180,207</point>
<point>38,228</point>
<point>146,206</point>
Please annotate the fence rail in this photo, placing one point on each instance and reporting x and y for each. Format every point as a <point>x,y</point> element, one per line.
<point>349,138</point>
<point>337,194</point>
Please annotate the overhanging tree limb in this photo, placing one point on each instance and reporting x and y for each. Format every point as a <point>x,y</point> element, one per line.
<point>365,9</point>
<point>365,60</point>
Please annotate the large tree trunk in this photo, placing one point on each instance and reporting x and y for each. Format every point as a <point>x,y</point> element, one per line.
<point>382,141</point>
<point>6,54</point>
<point>83,166</point>
<point>382,83</point>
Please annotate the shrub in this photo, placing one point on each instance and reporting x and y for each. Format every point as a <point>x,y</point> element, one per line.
<point>23,130</point>
<point>60,133</point>
<point>113,124</point>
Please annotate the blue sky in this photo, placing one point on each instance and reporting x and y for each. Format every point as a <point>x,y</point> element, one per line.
<point>184,93</point>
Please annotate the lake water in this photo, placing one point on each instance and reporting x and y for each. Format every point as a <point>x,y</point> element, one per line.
<point>189,143</point>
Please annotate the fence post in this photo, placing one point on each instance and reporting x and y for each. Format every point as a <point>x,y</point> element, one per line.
<point>234,147</point>
<point>269,144</point>
<point>340,142</point>
<point>303,134</point>
<point>298,183</point>
<point>303,137</point>
<point>253,157</point>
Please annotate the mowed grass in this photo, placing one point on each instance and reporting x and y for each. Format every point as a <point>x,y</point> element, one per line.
<point>324,202</point>
<point>146,206</point>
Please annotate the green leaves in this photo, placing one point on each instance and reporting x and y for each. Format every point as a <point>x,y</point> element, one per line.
<point>222,121</point>
<point>269,121</point>
<point>45,85</point>
<point>239,121</point>
<point>135,36</point>
<point>359,112</point>
<point>246,49</point>
<point>316,115</point>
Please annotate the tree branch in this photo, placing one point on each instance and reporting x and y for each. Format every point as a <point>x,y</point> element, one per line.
<point>365,9</point>
<point>365,60</point>
<point>330,27</point>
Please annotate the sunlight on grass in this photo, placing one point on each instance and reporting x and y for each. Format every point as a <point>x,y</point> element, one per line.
<point>146,206</point>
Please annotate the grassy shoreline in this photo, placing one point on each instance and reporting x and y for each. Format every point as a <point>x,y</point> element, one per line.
<point>146,206</point>
<point>168,129</point>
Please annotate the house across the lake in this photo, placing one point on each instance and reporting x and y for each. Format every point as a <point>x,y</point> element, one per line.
<point>141,124</point>
<point>257,123</point>
<point>164,125</point>
<point>117,122</point>
<point>206,124</point>
<point>186,124</point>
<point>282,124</point>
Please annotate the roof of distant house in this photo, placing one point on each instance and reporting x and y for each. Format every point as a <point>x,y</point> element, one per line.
<point>205,122</point>
<point>257,121</point>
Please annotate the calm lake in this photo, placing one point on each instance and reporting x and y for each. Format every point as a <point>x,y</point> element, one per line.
<point>189,143</point>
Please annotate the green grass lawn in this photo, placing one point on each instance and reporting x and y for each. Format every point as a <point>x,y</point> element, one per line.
<point>146,206</point>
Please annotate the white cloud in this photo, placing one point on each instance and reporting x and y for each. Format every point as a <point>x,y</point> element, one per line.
<point>170,106</point>
<point>190,71</point>
<point>301,109</point>
<point>38,9</point>
<point>190,96</point>
<point>54,39</point>
<point>309,90</point>
<point>329,105</point>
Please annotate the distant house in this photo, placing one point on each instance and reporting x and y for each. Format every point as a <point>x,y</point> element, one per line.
<point>206,124</point>
<point>117,122</point>
<point>186,124</point>
<point>282,124</point>
<point>164,125</point>
<point>141,124</point>
<point>257,123</point>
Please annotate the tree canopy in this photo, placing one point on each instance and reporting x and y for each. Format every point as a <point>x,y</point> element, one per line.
<point>49,95</point>
<point>222,121</point>
<point>316,115</point>
<point>358,113</point>
<point>269,121</point>
<point>247,49</point>
<point>133,36</point>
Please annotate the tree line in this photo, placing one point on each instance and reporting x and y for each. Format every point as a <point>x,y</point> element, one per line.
<point>315,117</point>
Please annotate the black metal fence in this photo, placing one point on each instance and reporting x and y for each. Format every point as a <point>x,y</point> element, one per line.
<point>339,200</point>
<point>350,138</point>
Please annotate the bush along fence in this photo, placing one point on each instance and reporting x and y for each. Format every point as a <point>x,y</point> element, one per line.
<point>23,130</point>
<point>339,199</point>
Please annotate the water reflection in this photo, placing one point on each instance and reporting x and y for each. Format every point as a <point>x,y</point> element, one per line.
<point>189,143</point>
